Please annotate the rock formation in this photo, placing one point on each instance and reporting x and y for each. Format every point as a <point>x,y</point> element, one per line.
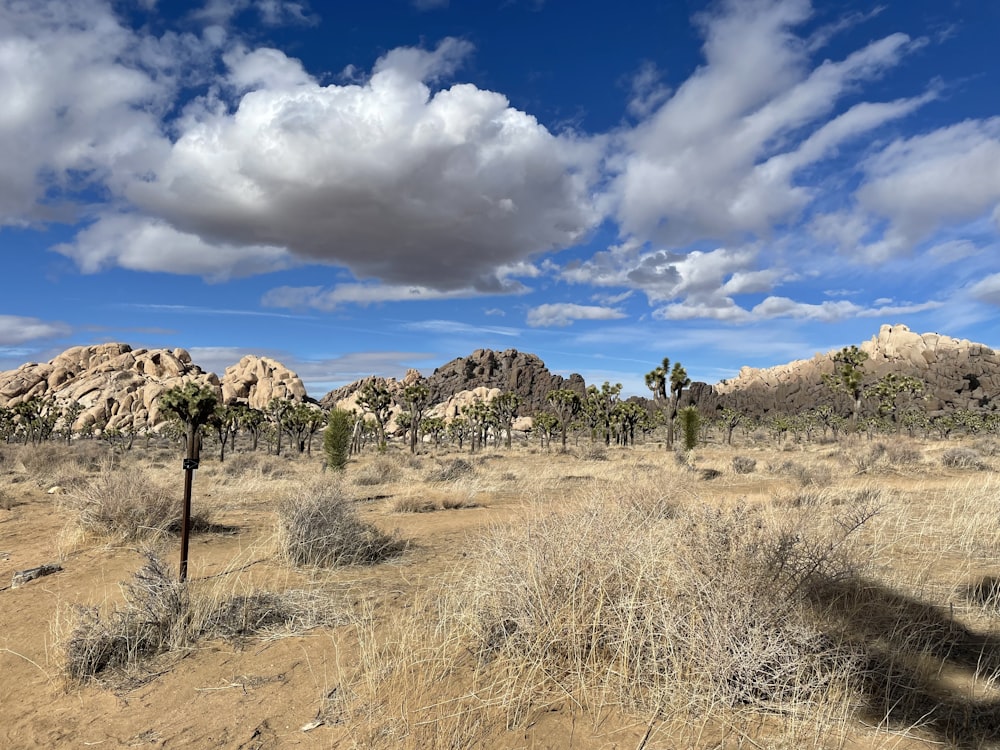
<point>957,374</point>
<point>256,380</point>
<point>117,386</point>
<point>511,370</point>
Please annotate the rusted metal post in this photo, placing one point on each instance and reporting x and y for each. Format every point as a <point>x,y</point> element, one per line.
<point>190,464</point>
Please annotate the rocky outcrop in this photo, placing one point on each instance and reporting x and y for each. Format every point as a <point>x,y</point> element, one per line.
<point>256,380</point>
<point>511,370</point>
<point>957,374</point>
<point>118,387</point>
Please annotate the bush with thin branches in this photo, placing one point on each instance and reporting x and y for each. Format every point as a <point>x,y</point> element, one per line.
<point>318,526</point>
<point>124,504</point>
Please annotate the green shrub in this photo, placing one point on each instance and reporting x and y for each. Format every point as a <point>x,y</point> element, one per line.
<point>337,438</point>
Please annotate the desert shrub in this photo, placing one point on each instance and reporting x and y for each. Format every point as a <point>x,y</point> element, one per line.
<point>380,470</point>
<point>318,526</point>
<point>337,438</point>
<point>160,613</point>
<point>805,496</point>
<point>690,420</point>
<point>457,503</point>
<point>744,464</point>
<point>240,465</point>
<point>452,471</point>
<point>988,447</point>
<point>414,505</point>
<point>151,621</point>
<point>903,455</point>
<point>51,463</point>
<point>963,458</point>
<point>594,452</point>
<point>804,475</point>
<point>123,503</point>
<point>709,607</point>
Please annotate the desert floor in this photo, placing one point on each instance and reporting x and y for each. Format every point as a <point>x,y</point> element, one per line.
<point>395,654</point>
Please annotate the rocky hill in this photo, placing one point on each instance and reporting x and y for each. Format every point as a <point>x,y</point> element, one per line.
<point>510,370</point>
<point>957,374</point>
<point>483,374</point>
<point>119,387</point>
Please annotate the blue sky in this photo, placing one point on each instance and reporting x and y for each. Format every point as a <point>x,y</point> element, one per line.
<point>359,188</point>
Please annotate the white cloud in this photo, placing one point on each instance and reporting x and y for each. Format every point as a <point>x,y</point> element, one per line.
<point>562,314</point>
<point>719,157</point>
<point>16,329</point>
<point>917,184</point>
<point>456,327</point>
<point>360,294</point>
<point>647,90</point>
<point>987,289</point>
<point>706,280</point>
<point>395,182</point>
<point>783,307</point>
<point>142,244</point>
<point>79,105</point>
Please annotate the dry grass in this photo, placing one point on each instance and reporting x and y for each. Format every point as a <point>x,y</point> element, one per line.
<point>122,503</point>
<point>319,526</point>
<point>845,597</point>
<point>160,614</point>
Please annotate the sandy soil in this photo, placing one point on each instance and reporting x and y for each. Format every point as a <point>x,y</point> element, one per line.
<point>265,692</point>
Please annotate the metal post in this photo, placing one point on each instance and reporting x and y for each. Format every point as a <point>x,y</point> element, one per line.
<point>190,464</point>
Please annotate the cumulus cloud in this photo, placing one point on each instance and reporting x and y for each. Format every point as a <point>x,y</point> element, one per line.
<point>718,159</point>
<point>142,244</point>
<point>561,314</point>
<point>396,182</point>
<point>15,329</point>
<point>707,280</point>
<point>79,104</point>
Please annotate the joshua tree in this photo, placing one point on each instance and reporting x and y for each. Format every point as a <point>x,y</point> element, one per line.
<point>225,422</point>
<point>193,405</point>
<point>730,419</point>
<point>505,408</point>
<point>415,399</point>
<point>253,421</point>
<point>375,399</point>
<point>458,430</point>
<point>435,427</point>
<point>600,405</point>
<point>70,413</point>
<point>678,382</point>
<point>477,415</point>
<point>627,415</point>
<point>848,377</point>
<point>565,405</point>
<point>545,423</point>
<point>276,410</point>
<point>889,388</point>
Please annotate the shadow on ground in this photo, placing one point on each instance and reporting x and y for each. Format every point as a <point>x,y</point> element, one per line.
<point>919,664</point>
